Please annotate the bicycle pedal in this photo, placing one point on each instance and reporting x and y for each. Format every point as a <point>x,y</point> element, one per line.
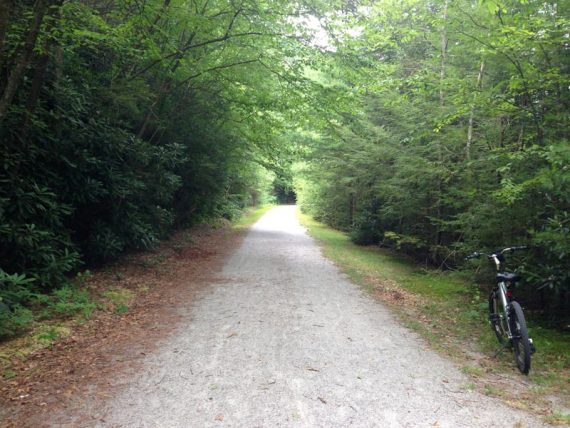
<point>532,347</point>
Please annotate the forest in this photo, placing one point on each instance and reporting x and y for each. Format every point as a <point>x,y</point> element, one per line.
<point>433,128</point>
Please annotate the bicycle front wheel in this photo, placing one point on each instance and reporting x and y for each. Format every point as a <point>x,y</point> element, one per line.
<point>497,317</point>
<point>520,340</point>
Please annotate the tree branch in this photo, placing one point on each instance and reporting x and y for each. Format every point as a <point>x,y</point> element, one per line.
<point>194,46</point>
<point>218,67</point>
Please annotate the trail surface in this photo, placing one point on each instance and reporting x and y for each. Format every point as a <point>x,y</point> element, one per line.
<point>284,339</point>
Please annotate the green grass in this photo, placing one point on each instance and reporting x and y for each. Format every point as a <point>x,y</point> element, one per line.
<point>119,299</point>
<point>250,216</point>
<point>118,295</point>
<point>388,266</point>
<point>450,312</point>
<point>559,418</point>
<point>67,301</point>
<point>472,371</point>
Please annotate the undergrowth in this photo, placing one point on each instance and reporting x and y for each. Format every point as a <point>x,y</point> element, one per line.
<point>22,305</point>
<point>24,308</point>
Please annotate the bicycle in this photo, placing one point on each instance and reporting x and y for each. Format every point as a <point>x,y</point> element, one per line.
<point>505,314</point>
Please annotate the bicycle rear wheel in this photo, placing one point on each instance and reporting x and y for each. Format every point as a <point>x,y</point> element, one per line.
<point>497,318</point>
<point>521,342</point>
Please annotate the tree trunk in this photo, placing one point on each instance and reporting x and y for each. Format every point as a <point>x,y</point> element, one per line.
<point>351,208</point>
<point>443,58</point>
<point>17,72</point>
<point>35,89</point>
<point>5,8</point>
<point>472,113</point>
<point>40,70</point>
<point>521,136</point>
<point>503,125</point>
<point>146,121</point>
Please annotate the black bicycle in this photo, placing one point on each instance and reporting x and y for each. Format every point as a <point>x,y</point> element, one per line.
<point>505,314</point>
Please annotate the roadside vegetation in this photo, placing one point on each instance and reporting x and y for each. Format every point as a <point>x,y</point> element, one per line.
<point>449,310</point>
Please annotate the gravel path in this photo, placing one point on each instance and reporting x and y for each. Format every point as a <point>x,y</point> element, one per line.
<point>284,339</point>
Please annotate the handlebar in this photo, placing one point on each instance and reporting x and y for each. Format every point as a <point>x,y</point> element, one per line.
<point>511,249</point>
<point>477,254</point>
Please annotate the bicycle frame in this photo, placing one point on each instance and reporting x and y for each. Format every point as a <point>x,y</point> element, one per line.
<point>502,289</point>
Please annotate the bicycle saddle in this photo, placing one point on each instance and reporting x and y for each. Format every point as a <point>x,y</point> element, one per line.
<point>508,277</point>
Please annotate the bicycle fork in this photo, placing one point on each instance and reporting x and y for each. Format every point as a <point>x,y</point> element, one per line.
<point>506,308</point>
<point>502,318</point>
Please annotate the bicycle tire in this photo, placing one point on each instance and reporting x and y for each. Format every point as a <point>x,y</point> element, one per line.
<point>520,340</point>
<point>497,318</point>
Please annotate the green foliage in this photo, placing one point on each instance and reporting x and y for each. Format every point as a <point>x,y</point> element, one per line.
<point>121,308</point>
<point>432,128</point>
<point>49,335</point>
<point>457,139</point>
<point>13,319</point>
<point>15,290</point>
<point>65,301</point>
<point>404,243</point>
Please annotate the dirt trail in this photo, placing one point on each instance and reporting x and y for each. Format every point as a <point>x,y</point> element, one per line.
<point>282,338</point>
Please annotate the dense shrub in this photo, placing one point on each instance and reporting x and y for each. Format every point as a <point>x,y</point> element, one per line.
<point>110,140</point>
